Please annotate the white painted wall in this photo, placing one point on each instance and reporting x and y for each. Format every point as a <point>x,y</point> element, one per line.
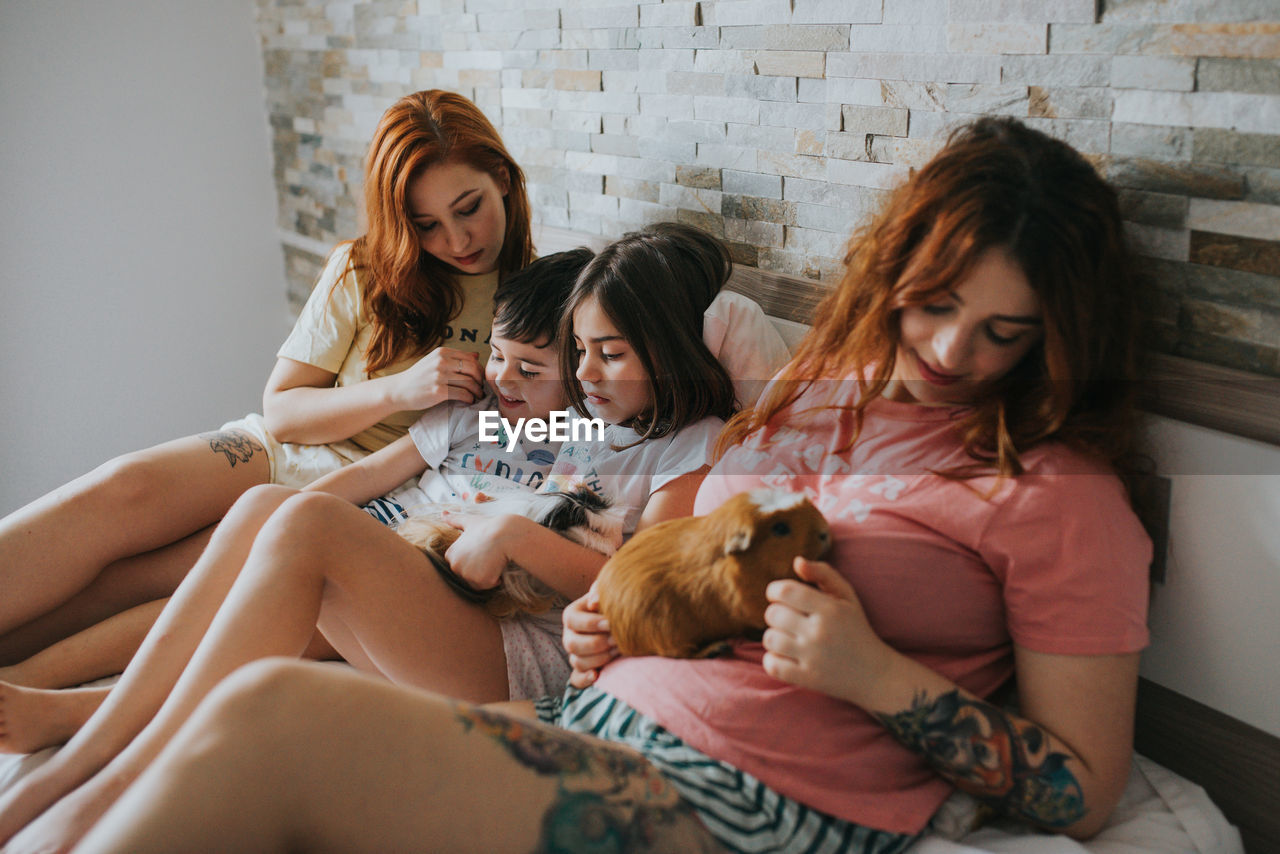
<point>1215,632</point>
<point>141,279</point>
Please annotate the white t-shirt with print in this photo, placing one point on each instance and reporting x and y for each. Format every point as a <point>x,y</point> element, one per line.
<point>460,466</point>
<point>627,477</point>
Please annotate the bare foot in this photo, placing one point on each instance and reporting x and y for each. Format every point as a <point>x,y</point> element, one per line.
<point>33,718</point>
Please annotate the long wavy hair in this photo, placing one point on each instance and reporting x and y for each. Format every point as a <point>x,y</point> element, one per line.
<point>409,294</point>
<point>996,184</point>
<point>654,285</point>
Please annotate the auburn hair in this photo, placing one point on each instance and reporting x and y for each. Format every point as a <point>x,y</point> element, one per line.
<point>996,184</point>
<point>409,294</point>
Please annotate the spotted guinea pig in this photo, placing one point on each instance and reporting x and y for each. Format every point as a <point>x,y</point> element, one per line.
<point>580,515</point>
<point>680,587</point>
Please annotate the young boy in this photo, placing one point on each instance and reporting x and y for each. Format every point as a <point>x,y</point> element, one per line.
<point>444,447</point>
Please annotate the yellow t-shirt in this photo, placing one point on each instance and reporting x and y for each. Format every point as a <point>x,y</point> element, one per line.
<point>333,332</point>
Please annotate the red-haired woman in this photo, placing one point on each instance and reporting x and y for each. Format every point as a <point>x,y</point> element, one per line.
<point>960,413</point>
<point>396,324</point>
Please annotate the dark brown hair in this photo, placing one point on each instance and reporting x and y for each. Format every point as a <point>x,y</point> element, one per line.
<point>654,285</point>
<point>530,303</point>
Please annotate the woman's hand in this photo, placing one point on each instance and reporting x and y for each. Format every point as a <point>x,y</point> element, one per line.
<point>483,551</point>
<point>587,639</point>
<point>443,374</point>
<point>818,636</point>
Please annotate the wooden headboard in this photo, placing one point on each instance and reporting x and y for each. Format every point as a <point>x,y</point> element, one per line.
<point>1238,765</point>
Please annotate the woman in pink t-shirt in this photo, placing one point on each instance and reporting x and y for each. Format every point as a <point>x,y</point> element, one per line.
<point>960,412</point>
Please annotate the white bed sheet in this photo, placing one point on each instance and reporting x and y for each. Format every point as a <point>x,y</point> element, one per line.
<point>1159,812</point>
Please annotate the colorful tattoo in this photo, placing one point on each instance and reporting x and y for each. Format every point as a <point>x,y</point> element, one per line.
<point>992,755</point>
<point>609,799</point>
<point>236,447</point>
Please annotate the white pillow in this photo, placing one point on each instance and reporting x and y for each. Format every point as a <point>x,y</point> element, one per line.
<point>738,333</point>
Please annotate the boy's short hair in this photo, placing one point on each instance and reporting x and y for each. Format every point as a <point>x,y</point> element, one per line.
<point>528,304</point>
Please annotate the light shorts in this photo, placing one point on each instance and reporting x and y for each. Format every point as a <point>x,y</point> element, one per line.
<point>537,664</point>
<point>297,465</point>
<point>743,814</point>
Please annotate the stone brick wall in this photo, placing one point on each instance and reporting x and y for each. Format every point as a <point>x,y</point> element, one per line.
<point>778,124</point>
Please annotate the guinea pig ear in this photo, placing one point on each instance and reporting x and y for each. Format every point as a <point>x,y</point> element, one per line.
<point>739,539</point>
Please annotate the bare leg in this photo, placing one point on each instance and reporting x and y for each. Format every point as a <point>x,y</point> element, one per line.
<point>321,559</point>
<point>125,584</point>
<point>55,547</point>
<point>100,650</point>
<point>305,757</point>
<point>32,719</point>
<point>156,667</point>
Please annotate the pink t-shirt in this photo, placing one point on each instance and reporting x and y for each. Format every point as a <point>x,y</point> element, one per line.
<point>1055,561</point>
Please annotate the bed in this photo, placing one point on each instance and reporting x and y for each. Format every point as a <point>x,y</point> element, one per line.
<point>1200,782</point>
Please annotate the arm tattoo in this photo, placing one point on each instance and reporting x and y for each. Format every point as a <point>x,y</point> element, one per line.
<point>992,755</point>
<point>609,800</point>
<point>235,446</point>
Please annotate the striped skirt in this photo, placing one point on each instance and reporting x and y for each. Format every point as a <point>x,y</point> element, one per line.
<point>742,813</point>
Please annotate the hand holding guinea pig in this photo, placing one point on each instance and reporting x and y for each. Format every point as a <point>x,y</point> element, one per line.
<point>679,588</point>
<point>818,636</point>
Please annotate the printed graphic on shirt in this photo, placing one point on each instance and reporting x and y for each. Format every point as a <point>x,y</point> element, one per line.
<point>574,469</point>
<point>795,462</point>
<point>490,469</point>
<point>465,335</point>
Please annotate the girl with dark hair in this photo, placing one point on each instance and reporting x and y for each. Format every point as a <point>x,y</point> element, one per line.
<point>283,565</point>
<point>394,326</point>
<point>654,286</point>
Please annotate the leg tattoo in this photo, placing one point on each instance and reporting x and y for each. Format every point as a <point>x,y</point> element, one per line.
<point>609,801</point>
<point>1003,759</point>
<point>235,446</point>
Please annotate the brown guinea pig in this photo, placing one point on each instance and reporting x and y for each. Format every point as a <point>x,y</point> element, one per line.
<point>680,587</point>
